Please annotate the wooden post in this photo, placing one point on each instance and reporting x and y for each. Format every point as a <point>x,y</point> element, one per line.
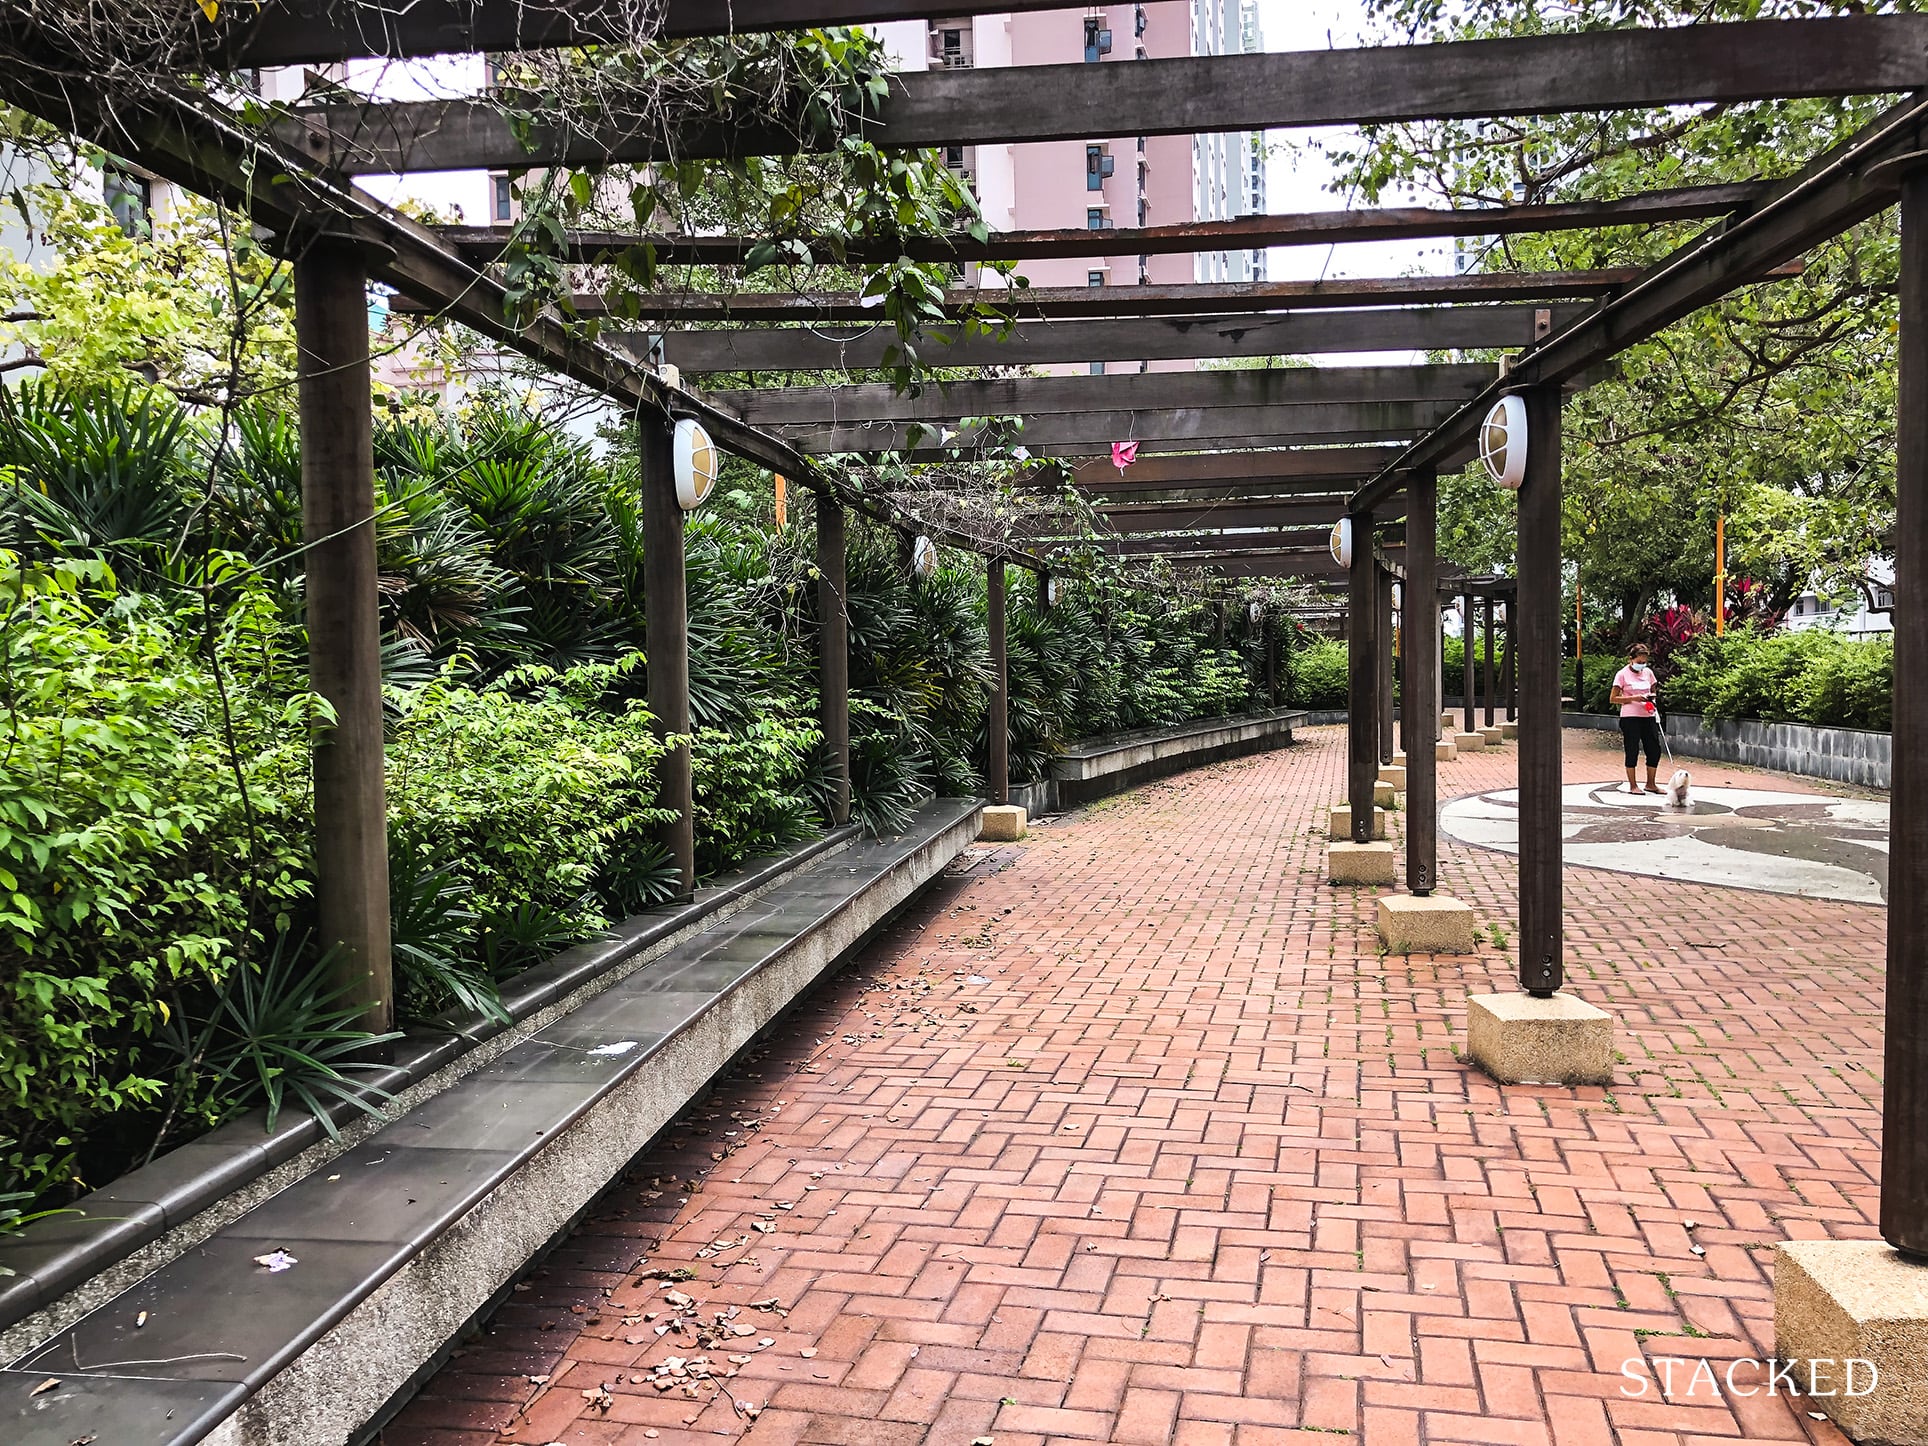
<point>833,649</point>
<point>1420,720</point>
<point>667,637</point>
<point>1382,650</point>
<point>1044,592</point>
<point>344,622</point>
<point>1486,661</point>
<point>1466,630</point>
<point>997,724</point>
<point>1904,1127</point>
<point>1542,949</point>
<point>1271,644</point>
<point>1509,675</point>
<point>1362,676</point>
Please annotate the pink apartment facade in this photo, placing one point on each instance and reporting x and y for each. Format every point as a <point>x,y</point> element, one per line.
<point>1106,183</point>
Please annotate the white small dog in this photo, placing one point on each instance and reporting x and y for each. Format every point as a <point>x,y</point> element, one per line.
<point>1677,789</point>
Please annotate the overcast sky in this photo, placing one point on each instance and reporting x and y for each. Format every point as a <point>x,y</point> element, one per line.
<point>1299,178</point>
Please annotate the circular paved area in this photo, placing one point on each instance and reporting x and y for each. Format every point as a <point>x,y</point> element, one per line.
<point>1743,838</point>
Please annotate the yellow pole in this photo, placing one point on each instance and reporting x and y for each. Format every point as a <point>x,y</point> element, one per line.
<point>1720,575</point>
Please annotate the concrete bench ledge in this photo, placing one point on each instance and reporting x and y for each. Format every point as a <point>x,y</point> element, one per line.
<point>155,1210</point>
<point>400,1241</point>
<point>1094,768</point>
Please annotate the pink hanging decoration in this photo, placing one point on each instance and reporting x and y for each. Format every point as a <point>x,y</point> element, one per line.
<point>1123,454</point>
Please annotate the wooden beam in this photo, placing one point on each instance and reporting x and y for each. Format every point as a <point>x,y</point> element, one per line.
<point>1063,303</point>
<point>1032,397</point>
<point>1241,233</point>
<point>1852,182</point>
<point>1904,1109</point>
<point>1542,967</point>
<point>1304,562</point>
<point>1534,75</point>
<point>1204,544</point>
<point>343,617</point>
<point>833,651</point>
<point>666,612</point>
<point>1419,718</point>
<point>997,720</point>
<point>1172,338</point>
<point>1335,422</point>
<point>1312,463</point>
<point>1192,516</point>
<point>1362,676</point>
<point>320,32</point>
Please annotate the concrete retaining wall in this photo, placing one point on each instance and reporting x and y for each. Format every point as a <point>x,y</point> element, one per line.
<point>1095,768</point>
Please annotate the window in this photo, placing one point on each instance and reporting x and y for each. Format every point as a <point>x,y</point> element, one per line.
<point>1098,167</point>
<point>1095,219</point>
<point>503,200</point>
<point>1139,21</point>
<point>1144,212</point>
<point>1884,600</point>
<point>1094,278</point>
<point>954,157</point>
<point>128,196</point>
<point>1097,40</point>
<point>1097,369</point>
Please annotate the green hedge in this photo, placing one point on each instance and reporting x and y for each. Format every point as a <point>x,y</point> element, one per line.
<point>157,972</point>
<point>1816,676</point>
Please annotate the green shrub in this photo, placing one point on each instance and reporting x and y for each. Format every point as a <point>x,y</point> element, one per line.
<point>1319,674</point>
<point>1815,676</point>
<point>134,870</point>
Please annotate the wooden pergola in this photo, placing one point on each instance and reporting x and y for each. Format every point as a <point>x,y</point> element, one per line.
<point>1243,473</point>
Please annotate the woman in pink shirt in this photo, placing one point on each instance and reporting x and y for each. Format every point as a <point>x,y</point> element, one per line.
<point>1633,693</point>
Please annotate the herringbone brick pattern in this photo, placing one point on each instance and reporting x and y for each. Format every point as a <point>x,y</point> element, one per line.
<point>1132,1135</point>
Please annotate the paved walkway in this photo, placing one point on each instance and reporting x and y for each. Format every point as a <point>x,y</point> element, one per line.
<point>1132,1135</point>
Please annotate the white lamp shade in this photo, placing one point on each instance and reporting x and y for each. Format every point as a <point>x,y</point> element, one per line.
<point>1503,442</point>
<point>1051,592</point>
<point>696,463</point>
<point>923,557</point>
<point>1342,542</point>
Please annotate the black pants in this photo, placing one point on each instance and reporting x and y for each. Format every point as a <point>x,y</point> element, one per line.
<point>1638,733</point>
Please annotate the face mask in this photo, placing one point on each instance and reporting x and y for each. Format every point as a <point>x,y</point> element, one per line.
<point>1638,667</point>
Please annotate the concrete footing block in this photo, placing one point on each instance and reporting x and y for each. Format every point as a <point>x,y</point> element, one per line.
<point>1494,735</point>
<point>1002,823</point>
<point>1359,863</point>
<point>1384,794</point>
<point>1437,924</point>
<point>1469,742</point>
<point>1449,724</point>
<point>1340,824</point>
<point>1445,751</point>
<point>1852,1315</point>
<point>1393,775</point>
<point>1398,758</point>
<point>1518,1039</point>
<point>1509,731</point>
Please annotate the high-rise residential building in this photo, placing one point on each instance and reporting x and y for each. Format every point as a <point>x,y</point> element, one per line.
<point>1105,183</point>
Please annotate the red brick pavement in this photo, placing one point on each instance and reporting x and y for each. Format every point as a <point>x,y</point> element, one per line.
<point>1198,1165</point>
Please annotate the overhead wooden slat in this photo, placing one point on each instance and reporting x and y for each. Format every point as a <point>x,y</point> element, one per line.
<point>1191,516</point>
<point>749,308</point>
<point>1208,544</point>
<point>1853,181</point>
<point>1240,233</point>
<point>1033,397</point>
<point>1337,423</point>
<point>1160,338</point>
<point>1226,466</point>
<point>1599,70</point>
<point>317,32</point>
<point>1311,563</point>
